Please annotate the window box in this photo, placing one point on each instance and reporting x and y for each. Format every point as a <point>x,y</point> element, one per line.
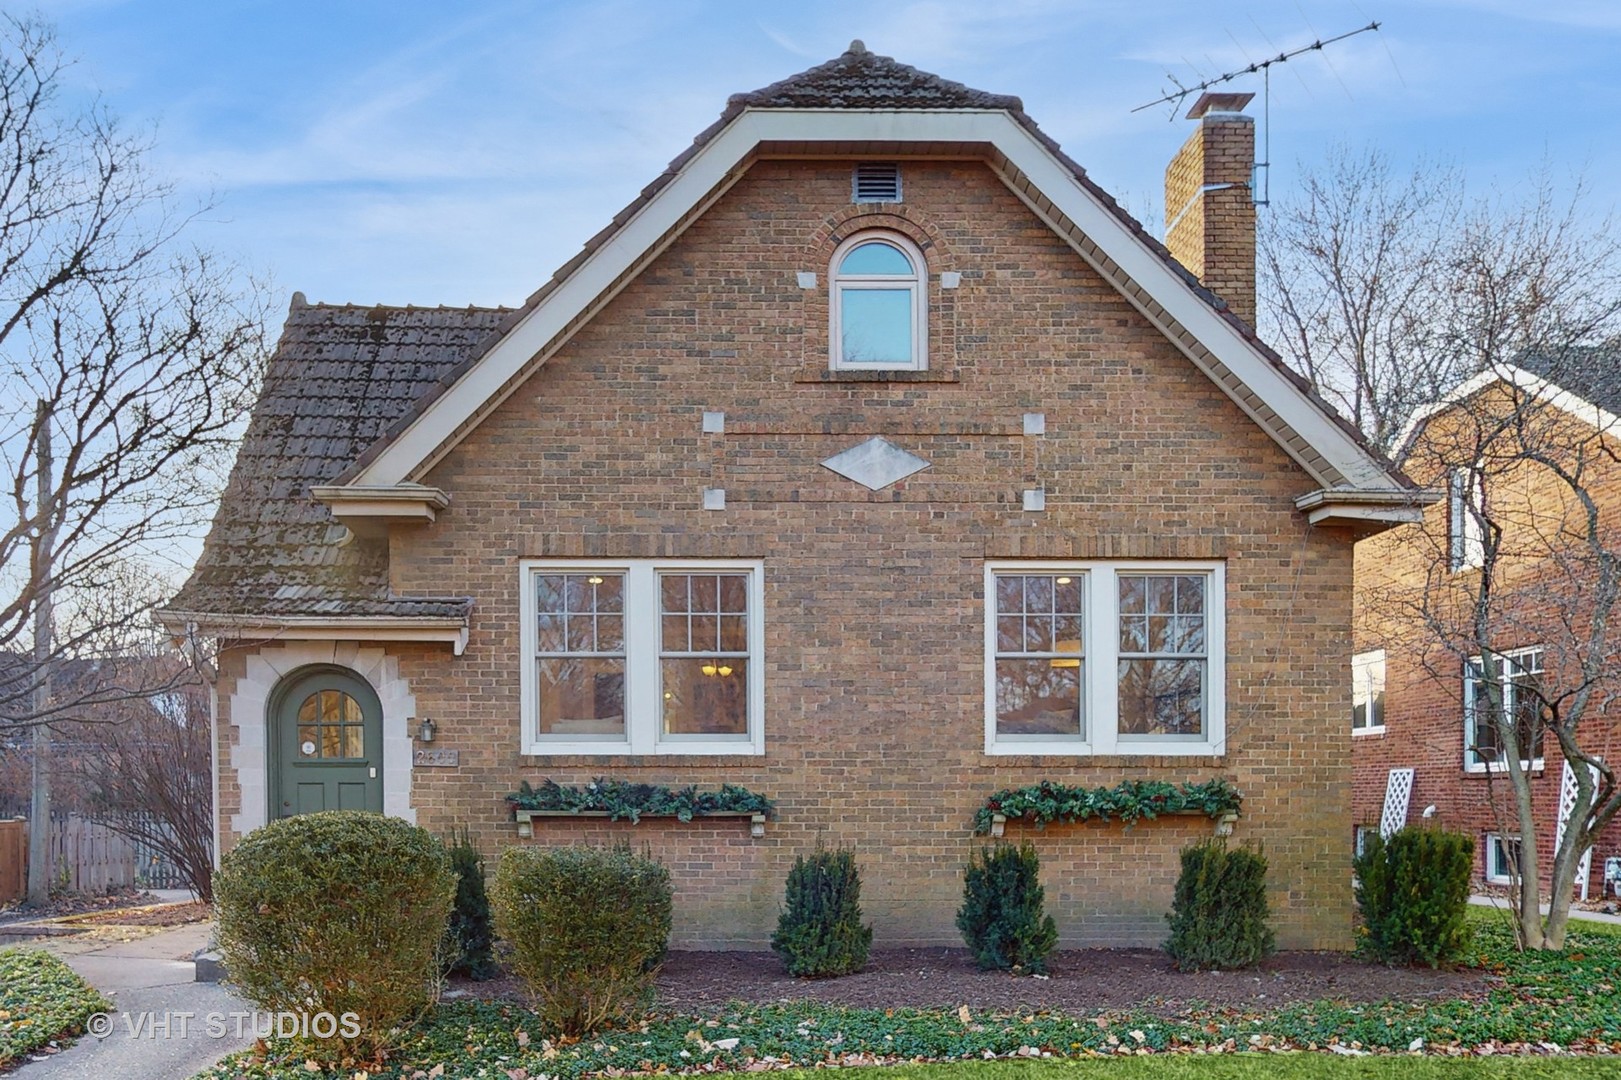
<point>1223,823</point>
<point>1105,658</point>
<point>642,657</point>
<point>526,818</point>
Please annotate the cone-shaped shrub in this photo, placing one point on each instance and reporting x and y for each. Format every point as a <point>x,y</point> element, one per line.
<point>471,934</point>
<point>588,927</point>
<point>336,913</point>
<point>1412,891</point>
<point>1219,913</point>
<point>1001,917</point>
<point>819,933</point>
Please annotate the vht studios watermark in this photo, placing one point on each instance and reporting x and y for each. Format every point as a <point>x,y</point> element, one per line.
<point>247,1024</point>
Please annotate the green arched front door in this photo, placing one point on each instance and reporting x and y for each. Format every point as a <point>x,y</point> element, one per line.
<point>328,748</point>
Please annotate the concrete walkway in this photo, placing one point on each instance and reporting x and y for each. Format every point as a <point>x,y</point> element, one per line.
<point>1500,904</point>
<point>149,980</point>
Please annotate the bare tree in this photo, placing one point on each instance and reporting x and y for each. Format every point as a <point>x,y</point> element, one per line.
<point>129,358</point>
<point>1348,267</point>
<point>149,774</point>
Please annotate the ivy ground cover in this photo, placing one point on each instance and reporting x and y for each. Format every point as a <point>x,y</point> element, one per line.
<point>41,1000</point>
<point>1545,1008</point>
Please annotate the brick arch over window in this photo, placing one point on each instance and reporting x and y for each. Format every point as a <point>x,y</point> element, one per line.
<point>816,313</point>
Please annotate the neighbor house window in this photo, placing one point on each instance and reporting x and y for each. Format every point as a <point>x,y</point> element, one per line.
<point>1502,855</point>
<point>877,304</point>
<point>642,657</point>
<point>1104,658</point>
<point>1359,838</point>
<point>1465,529</point>
<point>1519,682</point>
<point>1368,693</point>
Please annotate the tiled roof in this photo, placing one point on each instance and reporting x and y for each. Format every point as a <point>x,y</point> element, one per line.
<point>339,376</point>
<point>1591,373</point>
<point>863,80</point>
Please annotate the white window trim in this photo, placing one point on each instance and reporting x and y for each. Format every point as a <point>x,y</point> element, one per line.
<point>1466,536</point>
<point>1363,660</point>
<point>1472,762</point>
<point>1359,838</point>
<point>920,301</point>
<point>1491,842</point>
<point>643,708</point>
<point>1100,700</point>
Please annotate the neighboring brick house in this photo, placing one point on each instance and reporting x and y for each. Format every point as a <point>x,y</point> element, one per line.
<point>1412,698</point>
<point>726,501</point>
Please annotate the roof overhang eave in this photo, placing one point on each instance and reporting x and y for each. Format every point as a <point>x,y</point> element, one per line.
<point>446,630</point>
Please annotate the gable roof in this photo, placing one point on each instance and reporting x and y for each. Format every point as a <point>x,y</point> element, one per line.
<point>1582,381</point>
<point>370,398</point>
<point>338,377</point>
<point>862,103</point>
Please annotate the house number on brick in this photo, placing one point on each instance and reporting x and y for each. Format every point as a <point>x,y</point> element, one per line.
<point>437,759</point>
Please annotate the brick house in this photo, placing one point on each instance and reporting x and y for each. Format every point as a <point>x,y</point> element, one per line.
<point>873,459</point>
<point>1421,749</point>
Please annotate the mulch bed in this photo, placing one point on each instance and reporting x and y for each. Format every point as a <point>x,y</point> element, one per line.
<point>193,911</point>
<point>77,904</point>
<point>1081,981</point>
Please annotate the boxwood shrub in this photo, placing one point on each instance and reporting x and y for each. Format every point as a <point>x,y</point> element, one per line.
<point>337,912</point>
<point>588,927</point>
<point>1002,916</point>
<point>1412,891</point>
<point>1219,912</point>
<point>819,932</point>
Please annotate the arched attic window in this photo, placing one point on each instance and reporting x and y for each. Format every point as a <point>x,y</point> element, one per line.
<point>878,302</point>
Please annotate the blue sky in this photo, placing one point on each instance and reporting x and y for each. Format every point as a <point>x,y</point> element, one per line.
<point>408,152</point>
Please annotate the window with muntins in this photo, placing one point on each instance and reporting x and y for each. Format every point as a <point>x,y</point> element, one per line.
<point>642,657</point>
<point>1519,684</point>
<point>878,299</point>
<point>1104,658</point>
<point>1368,692</point>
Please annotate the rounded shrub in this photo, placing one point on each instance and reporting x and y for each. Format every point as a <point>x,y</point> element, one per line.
<point>588,927</point>
<point>1002,917</point>
<point>819,933</point>
<point>1412,892</point>
<point>339,913</point>
<point>1219,913</point>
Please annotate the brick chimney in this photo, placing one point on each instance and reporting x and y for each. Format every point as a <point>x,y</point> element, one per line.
<point>1209,206</point>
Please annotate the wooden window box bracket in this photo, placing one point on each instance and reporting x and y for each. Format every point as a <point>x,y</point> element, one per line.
<point>526,819</point>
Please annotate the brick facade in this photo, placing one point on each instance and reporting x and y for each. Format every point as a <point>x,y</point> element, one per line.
<point>873,612</point>
<point>1424,696</point>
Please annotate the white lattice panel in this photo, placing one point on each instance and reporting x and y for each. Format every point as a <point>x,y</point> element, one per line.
<point>1567,804</point>
<point>1398,792</point>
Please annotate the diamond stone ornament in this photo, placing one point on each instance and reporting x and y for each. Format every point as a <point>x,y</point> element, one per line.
<point>876,463</point>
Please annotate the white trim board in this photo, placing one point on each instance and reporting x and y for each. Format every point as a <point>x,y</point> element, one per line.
<point>1549,393</point>
<point>1324,449</point>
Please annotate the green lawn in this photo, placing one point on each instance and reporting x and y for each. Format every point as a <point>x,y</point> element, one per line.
<point>40,999</point>
<point>1546,1004</point>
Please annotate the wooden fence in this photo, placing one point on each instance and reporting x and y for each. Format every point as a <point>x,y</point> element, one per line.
<point>85,857</point>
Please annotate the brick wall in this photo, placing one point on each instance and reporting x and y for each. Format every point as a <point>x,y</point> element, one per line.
<point>1424,711</point>
<point>873,600</point>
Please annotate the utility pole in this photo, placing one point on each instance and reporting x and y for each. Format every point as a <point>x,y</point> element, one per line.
<point>44,556</point>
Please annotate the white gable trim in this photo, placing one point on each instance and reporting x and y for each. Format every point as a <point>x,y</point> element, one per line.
<point>1549,393</point>
<point>1335,458</point>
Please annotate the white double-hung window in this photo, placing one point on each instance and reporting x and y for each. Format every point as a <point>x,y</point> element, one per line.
<point>1104,658</point>
<point>1517,687</point>
<point>642,657</point>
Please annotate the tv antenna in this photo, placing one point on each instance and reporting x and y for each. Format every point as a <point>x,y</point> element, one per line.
<point>1264,167</point>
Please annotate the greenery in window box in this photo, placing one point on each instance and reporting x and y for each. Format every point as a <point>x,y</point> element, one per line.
<point>626,801</point>
<point>1130,800</point>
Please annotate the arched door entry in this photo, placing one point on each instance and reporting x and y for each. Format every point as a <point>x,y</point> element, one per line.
<point>328,744</point>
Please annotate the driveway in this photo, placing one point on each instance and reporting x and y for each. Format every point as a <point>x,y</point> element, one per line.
<point>148,977</point>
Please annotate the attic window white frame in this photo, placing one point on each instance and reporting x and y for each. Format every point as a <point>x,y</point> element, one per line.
<point>643,654</point>
<point>1100,683</point>
<point>915,283</point>
<point>1368,692</point>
